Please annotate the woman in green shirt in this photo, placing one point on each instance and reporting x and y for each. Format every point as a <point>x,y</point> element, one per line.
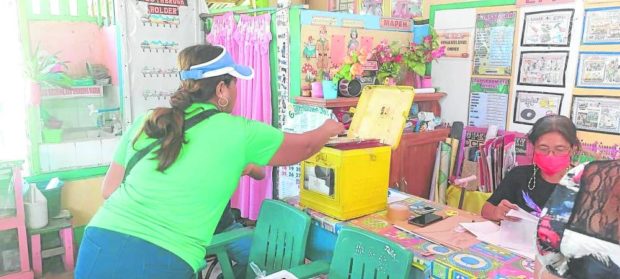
<point>157,220</point>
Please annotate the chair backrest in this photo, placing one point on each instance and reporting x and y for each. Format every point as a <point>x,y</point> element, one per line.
<point>279,240</point>
<point>361,254</point>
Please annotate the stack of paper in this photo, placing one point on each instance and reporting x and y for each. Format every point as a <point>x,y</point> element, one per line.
<point>518,237</point>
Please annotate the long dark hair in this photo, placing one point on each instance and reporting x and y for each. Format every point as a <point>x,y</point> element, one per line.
<point>555,123</point>
<point>167,123</point>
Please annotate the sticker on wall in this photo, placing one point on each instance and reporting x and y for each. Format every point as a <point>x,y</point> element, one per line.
<point>310,48</point>
<point>406,9</point>
<point>599,70</point>
<point>493,43</point>
<point>354,43</point>
<point>543,68</point>
<point>531,106</point>
<point>547,28</point>
<point>601,26</point>
<point>159,46</point>
<point>596,114</point>
<point>323,62</point>
<point>338,50</point>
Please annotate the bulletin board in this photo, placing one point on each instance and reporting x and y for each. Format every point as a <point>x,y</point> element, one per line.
<point>326,38</point>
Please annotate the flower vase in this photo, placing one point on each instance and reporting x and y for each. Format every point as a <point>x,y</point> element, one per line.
<point>317,89</point>
<point>306,90</point>
<point>426,82</point>
<point>329,90</point>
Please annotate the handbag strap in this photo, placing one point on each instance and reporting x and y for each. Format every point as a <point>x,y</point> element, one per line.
<point>187,124</point>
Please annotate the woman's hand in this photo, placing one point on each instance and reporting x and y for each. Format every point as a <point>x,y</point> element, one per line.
<point>501,211</point>
<point>333,127</point>
<point>254,172</point>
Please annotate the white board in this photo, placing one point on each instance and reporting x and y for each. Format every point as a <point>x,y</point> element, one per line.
<point>452,75</point>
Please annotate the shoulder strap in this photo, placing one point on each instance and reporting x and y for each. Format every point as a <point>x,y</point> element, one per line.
<point>191,122</point>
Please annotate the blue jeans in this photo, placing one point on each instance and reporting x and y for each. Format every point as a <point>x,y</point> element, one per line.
<point>239,251</point>
<point>108,254</point>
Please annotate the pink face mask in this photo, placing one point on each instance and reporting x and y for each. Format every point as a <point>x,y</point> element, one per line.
<point>551,164</point>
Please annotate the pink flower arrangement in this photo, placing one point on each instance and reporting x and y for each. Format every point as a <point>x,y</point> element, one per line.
<point>352,67</point>
<point>419,55</point>
<point>389,57</point>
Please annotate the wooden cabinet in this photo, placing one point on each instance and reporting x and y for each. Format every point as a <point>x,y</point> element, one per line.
<point>413,162</point>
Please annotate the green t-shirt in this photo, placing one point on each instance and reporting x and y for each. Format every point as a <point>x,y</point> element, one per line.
<point>179,209</point>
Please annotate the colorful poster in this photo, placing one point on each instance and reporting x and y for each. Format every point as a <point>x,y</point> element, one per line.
<point>601,26</point>
<point>597,114</point>
<point>493,43</point>
<point>406,9</point>
<point>488,102</point>
<point>543,68</point>
<point>531,106</point>
<point>547,28</point>
<point>457,43</point>
<point>371,7</point>
<point>599,70</point>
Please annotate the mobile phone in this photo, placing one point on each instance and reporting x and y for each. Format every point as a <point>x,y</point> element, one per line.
<point>424,220</point>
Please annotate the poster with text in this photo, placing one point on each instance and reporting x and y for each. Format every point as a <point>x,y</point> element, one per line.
<point>493,43</point>
<point>531,106</point>
<point>488,102</point>
<point>599,70</point>
<point>601,26</point>
<point>298,119</point>
<point>547,28</point>
<point>543,68</point>
<point>457,43</point>
<point>596,114</point>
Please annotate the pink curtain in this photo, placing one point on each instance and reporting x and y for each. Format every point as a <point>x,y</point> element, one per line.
<point>248,42</point>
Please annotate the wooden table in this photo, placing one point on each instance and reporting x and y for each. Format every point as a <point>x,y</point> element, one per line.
<point>476,260</point>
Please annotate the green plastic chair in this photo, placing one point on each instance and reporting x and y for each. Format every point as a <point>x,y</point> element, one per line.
<point>278,241</point>
<point>361,254</point>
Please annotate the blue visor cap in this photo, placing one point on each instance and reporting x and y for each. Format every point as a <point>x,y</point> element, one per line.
<point>221,65</point>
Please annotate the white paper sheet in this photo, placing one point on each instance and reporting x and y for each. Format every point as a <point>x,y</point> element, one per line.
<point>518,237</point>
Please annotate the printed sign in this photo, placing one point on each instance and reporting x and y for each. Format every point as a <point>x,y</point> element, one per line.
<point>167,2</point>
<point>488,101</point>
<point>542,68</point>
<point>457,43</point>
<point>531,106</point>
<point>163,10</point>
<point>396,24</point>
<point>599,70</point>
<point>547,28</point>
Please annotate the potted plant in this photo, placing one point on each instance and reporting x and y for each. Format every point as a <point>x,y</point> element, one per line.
<point>309,76</point>
<point>346,75</point>
<point>389,58</point>
<point>317,85</point>
<point>330,90</point>
<point>419,56</point>
<point>45,71</point>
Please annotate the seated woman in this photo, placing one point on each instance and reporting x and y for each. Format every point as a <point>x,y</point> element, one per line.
<point>554,138</point>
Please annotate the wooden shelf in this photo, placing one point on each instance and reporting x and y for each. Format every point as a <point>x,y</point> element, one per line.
<point>351,102</point>
<point>339,102</point>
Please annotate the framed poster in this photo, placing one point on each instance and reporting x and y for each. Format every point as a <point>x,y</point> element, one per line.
<point>493,43</point>
<point>599,114</point>
<point>543,68</point>
<point>373,7</point>
<point>547,28</point>
<point>531,106</point>
<point>406,9</point>
<point>488,102</point>
<point>601,26</point>
<point>599,70</point>
<point>457,43</point>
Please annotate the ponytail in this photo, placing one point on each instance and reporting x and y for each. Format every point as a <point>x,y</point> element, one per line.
<point>166,124</point>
